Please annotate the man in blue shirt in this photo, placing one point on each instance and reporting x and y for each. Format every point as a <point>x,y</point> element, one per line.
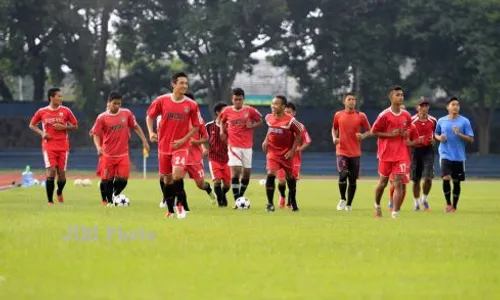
<point>453,131</point>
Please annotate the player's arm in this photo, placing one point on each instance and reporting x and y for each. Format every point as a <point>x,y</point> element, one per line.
<point>154,110</point>
<point>438,133</point>
<point>256,118</point>
<point>97,143</point>
<point>34,126</point>
<point>366,126</point>
<point>73,122</point>
<point>266,140</point>
<point>335,130</point>
<point>138,130</point>
<point>306,141</point>
<point>297,130</point>
<point>379,128</point>
<point>468,135</point>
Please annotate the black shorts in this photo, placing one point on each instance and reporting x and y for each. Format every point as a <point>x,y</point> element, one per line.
<point>422,163</point>
<point>455,169</point>
<point>349,164</point>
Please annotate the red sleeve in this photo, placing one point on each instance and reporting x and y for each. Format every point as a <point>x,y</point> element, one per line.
<point>335,123</point>
<point>296,127</point>
<point>98,126</point>
<point>36,118</point>
<point>195,115</point>
<point>131,120</point>
<point>380,123</point>
<point>306,139</point>
<point>413,133</point>
<point>255,114</point>
<point>203,131</point>
<point>365,123</point>
<point>223,115</point>
<point>71,117</point>
<point>154,109</point>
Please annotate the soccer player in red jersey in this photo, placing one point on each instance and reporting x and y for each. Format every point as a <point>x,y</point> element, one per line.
<point>283,137</point>
<point>391,127</point>
<point>56,120</point>
<point>422,162</point>
<point>241,120</point>
<point>180,121</point>
<point>346,134</point>
<point>297,159</point>
<point>112,126</point>
<point>218,158</point>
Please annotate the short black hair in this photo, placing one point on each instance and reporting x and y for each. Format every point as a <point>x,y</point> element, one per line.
<point>395,88</point>
<point>238,92</point>
<point>454,98</point>
<point>178,75</point>
<point>189,95</point>
<point>283,99</point>
<point>291,106</point>
<point>114,95</point>
<point>350,94</point>
<point>52,92</point>
<point>219,106</point>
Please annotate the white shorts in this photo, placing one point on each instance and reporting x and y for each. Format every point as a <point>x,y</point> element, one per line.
<point>240,157</point>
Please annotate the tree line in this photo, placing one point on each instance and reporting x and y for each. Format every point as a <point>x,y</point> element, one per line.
<point>329,46</point>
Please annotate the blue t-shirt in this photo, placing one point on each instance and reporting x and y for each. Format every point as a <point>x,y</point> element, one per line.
<point>454,147</point>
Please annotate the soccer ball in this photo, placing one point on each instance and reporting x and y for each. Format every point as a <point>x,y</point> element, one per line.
<point>87,182</point>
<point>78,182</point>
<point>121,200</point>
<point>262,182</point>
<point>242,203</point>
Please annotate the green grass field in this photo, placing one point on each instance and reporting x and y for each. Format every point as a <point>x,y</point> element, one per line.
<point>216,253</point>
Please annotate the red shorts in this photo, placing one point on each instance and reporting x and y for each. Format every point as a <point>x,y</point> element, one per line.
<point>100,166</point>
<point>115,167</point>
<point>57,159</point>
<point>166,162</point>
<point>276,163</point>
<point>388,168</point>
<point>195,172</point>
<point>295,172</point>
<point>406,178</point>
<point>220,171</point>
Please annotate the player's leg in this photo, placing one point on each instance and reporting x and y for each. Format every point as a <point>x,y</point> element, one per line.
<point>292,185</point>
<point>296,175</point>
<point>282,187</point>
<point>428,174</point>
<point>458,175</point>
<point>398,194</point>
<point>50,167</point>
<point>197,173</point>
<point>216,179</point>
<point>384,170</point>
<point>62,162</point>
<point>446,172</point>
<point>272,166</point>
<point>179,159</point>
<point>102,184</point>
<point>165,168</point>
<point>416,176</point>
<point>354,165</point>
<point>107,178</point>
<point>391,193</point>
<point>163,202</point>
<point>343,169</point>
<point>122,174</point>
<point>246,162</point>
<point>226,182</point>
<point>236,164</point>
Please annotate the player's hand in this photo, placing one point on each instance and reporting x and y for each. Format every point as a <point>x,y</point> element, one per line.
<point>204,151</point>
<point>290,154</point>
<point>264,146</point>
<point>153,137</point>
<point>421,139</point>
<point>432,141</point>
<point>99,151</point>
<point>249,124</point>
<point>46,136</point>
<point>359,136</point>
<point>177,143</point>
<point>456,130</point>
<point>59,126</point>
<point>395,132</point>
<point>223,136</point>
<point>442,138</point>
<point>336,141</point>
<point>146,146</point>
<point>404,133</point>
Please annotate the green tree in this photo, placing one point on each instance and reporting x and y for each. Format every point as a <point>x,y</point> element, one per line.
<point>456,45</point>
<point>214,38</point>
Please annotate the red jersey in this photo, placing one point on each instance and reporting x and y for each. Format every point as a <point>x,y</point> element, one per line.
<point>196,151</point>
<point>425,128</point>
<point>306,139</point>
<point>176,120</point>
<point>218,148</point>
<point>390,148</point>
<point>114,131</point>
<point>413,136</point>
<point>59,140</point>
<point>238,134</point>
<point>92,132</point>
<point>281,134</point>
<point>348,124</point>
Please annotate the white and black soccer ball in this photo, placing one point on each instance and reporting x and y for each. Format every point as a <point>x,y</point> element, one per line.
<point>78,182</point>
<point>121,200</point>
<point>242,203</point>
<point>87,182</point>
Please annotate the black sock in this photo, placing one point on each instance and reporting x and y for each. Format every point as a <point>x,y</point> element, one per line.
<point>270,188</point>
<point>342,189</point>
<point>49,188</point>
<point>351,190</point>
<point>119,185</point>
<point>162,187</point>
<point>225,189</point>
<point>60,186</point>
<point>218,193</point>
<point>179,191</point>
<point>207,188</point>
<point>244,186</point>
<point>109,190</point>
<point>102,188</point>
<point>447,191</point>
<point>168,193</point>
<point>456,193</point>
<point>282,189</point>
<point>292,192</point>
<point>235,186</point>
